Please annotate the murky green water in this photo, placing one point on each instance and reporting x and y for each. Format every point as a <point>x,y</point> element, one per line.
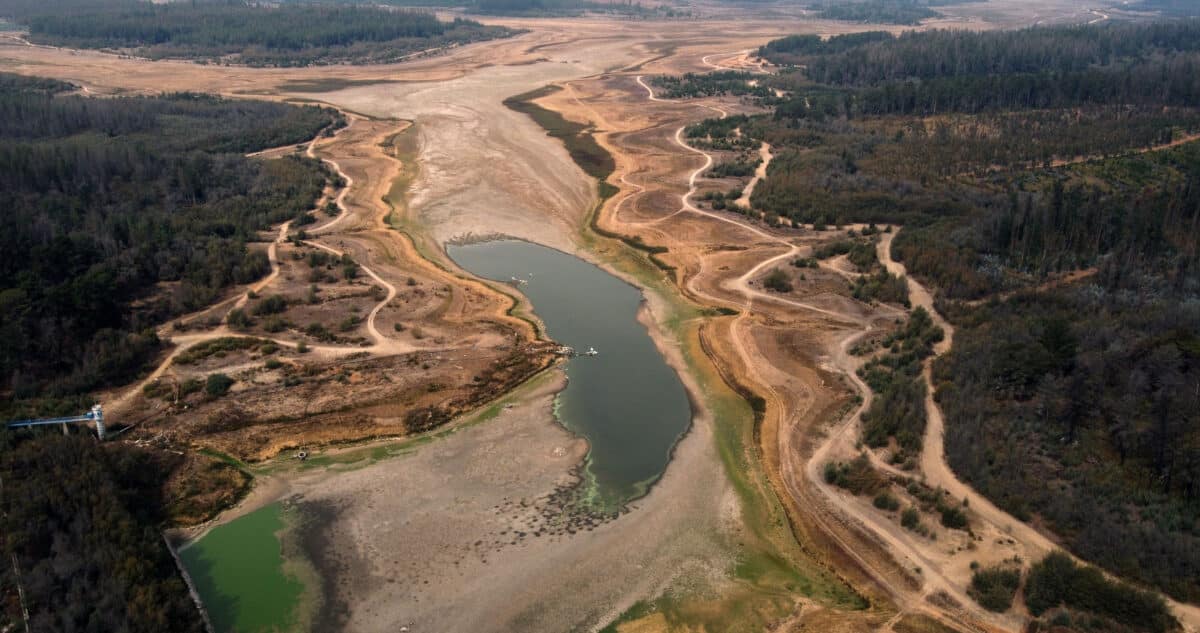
<point>627,402</point>
<point>238,570</point>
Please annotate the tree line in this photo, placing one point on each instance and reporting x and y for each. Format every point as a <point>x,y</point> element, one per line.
<point>790,49</point>
<point>909,12</point>
<point>875,59</point>
<point>1172,8</point>
<point>256,34</point>
<point>722,82</point>
<point>1080,404</point>
<point>898,409</point>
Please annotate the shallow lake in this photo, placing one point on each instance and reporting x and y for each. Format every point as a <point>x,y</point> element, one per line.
<point>238,570</point>
<point>625,401</point>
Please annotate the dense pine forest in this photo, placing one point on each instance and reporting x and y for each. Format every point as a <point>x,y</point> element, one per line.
<point>1047,192</point>
<point>1093,386</point>
<point>123,213</point>
<point>909,12</point>
<point>80,535</point>
<point>722,82</point>
<point>259,35</point>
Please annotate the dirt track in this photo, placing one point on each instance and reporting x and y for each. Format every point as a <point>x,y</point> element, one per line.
<point>761,368</point>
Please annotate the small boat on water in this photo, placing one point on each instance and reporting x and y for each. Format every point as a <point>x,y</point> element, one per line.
<point>565,350</point>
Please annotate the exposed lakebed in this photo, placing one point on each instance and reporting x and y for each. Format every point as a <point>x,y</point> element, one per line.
<point>628,404</point>
<point>625,401</point>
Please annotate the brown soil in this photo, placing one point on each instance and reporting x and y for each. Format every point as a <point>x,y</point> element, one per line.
<point>774,347</point>
<point>455,348</point>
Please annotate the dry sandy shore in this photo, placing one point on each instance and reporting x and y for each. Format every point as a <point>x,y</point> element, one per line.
<point>461,535</point>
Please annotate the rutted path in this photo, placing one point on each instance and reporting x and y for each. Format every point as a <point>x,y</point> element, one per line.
<point>348,182</point>
<point>760,173</point>
<point>902,544</point>
<point>382,346</point>
<point>742,283</point>
<point>859,325</point>
<point>742,59</point>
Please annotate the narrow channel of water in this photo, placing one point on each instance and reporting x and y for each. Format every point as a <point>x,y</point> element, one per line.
<point>625,401</point>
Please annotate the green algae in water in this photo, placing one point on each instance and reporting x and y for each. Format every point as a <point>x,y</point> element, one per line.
<point>626,402</point>
<point>238,570</point>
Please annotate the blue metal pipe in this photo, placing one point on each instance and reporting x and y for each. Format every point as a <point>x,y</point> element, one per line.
<point>78,418</point>
<point>94,415</point>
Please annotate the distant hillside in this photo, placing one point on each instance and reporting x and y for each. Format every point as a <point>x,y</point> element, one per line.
<point>285,35</point>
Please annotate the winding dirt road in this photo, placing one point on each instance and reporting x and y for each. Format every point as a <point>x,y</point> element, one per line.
<point>742,284</point>
<point>760,174</point>
<point>859,327</point>
<point>912,551</point>
<point>382,346</point>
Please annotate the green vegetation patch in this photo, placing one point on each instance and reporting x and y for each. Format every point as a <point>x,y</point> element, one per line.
<point>219,346</point>
<point>1057,581</point>
<point>994,587</point>
<point>857,476</point>
<point>593,159</point>
<point>898,408</point>
<point>723,82</point>
<point>778,281</point>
